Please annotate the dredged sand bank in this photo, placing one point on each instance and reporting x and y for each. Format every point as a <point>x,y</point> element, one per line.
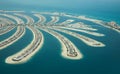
<point>100,22</point>
<point>18,20</point>
<point>86,40</point>
<point>4,25</point>
<point>16,36</point>
<point>28,18</point>
<point>81,25</point>
<point>66,22</point>
<point>26,54</point>
<point>69,50</point>
<point>54,20</point>
<point>84,31</point>
<point>41,18</point>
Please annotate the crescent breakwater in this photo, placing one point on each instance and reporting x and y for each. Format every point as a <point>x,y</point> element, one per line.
<point>112,25</point>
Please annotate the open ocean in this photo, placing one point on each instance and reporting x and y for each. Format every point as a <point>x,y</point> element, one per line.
<point>48,60</point>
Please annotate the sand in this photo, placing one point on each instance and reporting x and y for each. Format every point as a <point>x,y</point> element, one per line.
<point>64,49</point>
<point>89,41</point>
<point>28,57</point>
<point>8,44</point>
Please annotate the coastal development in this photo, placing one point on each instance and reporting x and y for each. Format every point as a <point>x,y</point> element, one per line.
<point>41,20</point>
<point>29,19</point>
<point>54,20</point>
<point>16,36</point>
<point>69,50</point>
<point>86,40</point>
<point>59,37</point>
<point>17,20</point>
<point>66,22</point>
<point>25,54</point>
<point>4,26</point>
<point>112,25</point>
<point>81,25</point>
<point>55,27</point>
<point>83,31</point>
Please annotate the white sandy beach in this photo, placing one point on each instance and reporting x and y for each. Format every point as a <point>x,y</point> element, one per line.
<point>64,49</point>
<point>86,40</point>
<point>27,58</point>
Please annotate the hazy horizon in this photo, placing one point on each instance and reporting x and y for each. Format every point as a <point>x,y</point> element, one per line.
<point>101,8</point>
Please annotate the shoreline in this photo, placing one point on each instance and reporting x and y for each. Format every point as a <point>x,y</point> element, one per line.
<point>81,25</point>
<point>20,31</point>
<point>28,57</point>
<point>28,18</point>
<point>86,40</point>
<point>66,22</point>
<point>41,18</point>
<point>65,50</point>
<point>54,20</point>
<point>16,36</point>
<point>100,22</point>
<point>4,28</point>
<point>84,31</point>
<point>18,20</point>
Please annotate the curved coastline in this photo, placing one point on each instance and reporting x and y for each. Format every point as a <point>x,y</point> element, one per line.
<point>69,50</point>
<point>26,54</point>
<point>86,40</point>
<point>84,31</point>
<point>54,20</point>
<point>28,18</point>
<point>5,26</point>
<point>66,22</point>
<point>41,18</point>
<point>16,36</point>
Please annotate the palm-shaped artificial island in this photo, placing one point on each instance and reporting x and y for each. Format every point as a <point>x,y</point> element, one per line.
<point>21,21</point>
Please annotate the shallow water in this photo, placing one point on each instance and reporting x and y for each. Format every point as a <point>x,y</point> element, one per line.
<point>48,60</point>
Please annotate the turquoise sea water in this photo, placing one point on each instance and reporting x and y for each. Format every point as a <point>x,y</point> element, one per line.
<point>8,34</point>
<point>48,60</point>
<point>102,9</point>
